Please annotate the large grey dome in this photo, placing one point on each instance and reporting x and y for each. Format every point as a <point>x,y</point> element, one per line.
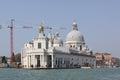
<point>74,36</point>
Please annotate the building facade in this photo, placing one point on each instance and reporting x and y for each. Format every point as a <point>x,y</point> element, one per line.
<point>115,62</point>
<point>50,51</point>
<point>103,59</point>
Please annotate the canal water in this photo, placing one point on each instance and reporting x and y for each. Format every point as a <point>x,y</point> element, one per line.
<point>60,74</point>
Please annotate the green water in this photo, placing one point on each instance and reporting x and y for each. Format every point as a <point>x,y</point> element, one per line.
<point>60,74</point>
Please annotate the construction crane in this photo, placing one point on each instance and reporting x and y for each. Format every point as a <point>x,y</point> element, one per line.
<point>11,39</point>
<point>50,28</point>
<point>55,28</point>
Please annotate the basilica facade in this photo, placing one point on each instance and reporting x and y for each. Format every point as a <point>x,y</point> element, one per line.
<point>51,52</point>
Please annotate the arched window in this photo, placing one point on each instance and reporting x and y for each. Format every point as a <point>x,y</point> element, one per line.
<point>80,47</point>
<point>39,45</point>
<point>60,45</point>
<point>74,46</point>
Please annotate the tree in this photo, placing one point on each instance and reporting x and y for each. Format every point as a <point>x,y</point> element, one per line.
<point>18,57</point>
<point>4,59</point>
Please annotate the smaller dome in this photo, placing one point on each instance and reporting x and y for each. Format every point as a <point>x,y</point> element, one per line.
<point>57,39</point>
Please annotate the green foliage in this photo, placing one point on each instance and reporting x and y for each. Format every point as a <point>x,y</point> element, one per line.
<point>18,57</point>
<point>3,59</point>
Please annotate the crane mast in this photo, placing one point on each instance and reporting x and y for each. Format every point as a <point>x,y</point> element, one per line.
<point>11,42</point>
<point>12,58</point>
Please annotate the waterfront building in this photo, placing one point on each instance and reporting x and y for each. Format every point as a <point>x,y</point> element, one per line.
<point>50,51</point>
<point>115,62</point>
<point>103,59</point>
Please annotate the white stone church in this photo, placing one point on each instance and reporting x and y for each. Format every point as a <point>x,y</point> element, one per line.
<point>50,51</point>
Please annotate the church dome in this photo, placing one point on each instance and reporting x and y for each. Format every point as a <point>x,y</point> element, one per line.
<point>57,40</point>
<point>74,36</point>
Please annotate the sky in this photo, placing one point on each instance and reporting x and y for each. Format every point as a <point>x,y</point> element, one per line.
<point>98,21</point>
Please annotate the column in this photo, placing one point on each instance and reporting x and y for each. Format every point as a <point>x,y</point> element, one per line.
<point>34,61</point>
<point>27,61</point>
<point>52,61</point>
<point>40,60</point>
<point>30,61</point>
<point>44,58</point>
